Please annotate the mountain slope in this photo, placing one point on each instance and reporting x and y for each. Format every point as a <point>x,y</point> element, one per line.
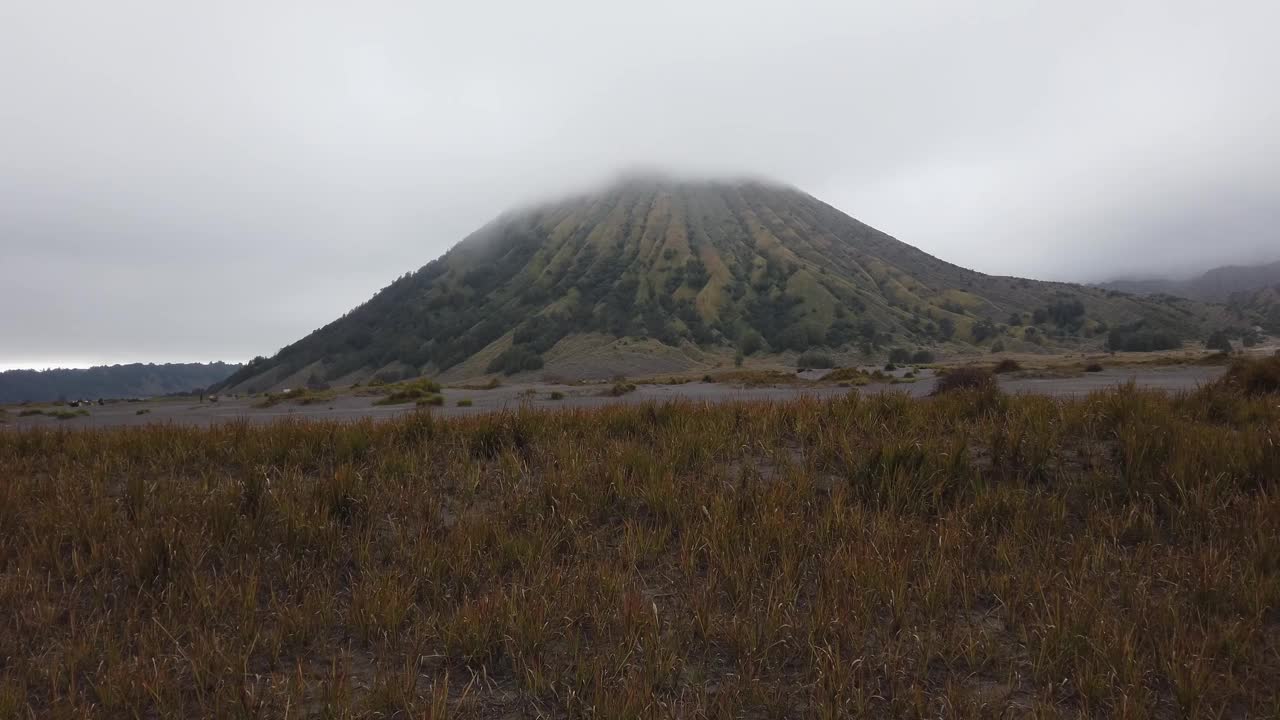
<point>1216,285</point>
<point>110,381</point>
<point>689,268</point>
<point>1262,304</point>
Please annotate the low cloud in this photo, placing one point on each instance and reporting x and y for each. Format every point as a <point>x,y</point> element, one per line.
<point>212,183</point>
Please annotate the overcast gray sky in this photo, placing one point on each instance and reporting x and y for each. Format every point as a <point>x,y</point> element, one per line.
<point>196,181</point>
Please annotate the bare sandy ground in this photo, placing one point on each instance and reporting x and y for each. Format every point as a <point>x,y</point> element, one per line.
<point>188,412</point>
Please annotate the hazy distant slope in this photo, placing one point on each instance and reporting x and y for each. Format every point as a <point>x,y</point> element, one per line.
<point>1262,304</point>
<point>1216,285</point>
<point>692,265</point>
<point>110,381</point>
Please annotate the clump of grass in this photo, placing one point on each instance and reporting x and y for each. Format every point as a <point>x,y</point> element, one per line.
<point>432,400</point>
<point>965,378</point>
<point>619,389</point>
<point>465,402</point>
<point>1218,358</point>
<point>756,378</point>
<point>1093,367</point>
<point>29,412</point>
<point>1007,365</point>
<point>489,384</point>
<point>556,395</point>
<point>67,414</point>
<point>852,376</point>
<point>1256,376</point>
<point>301,396</point>
<point>413,391</point>
<point>142,411</point>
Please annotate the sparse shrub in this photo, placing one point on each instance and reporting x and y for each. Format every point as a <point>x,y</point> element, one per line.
<point>997,346</point>
<point>1255,376</point>
<point>302,396</point>
<point>556,395</point>
<point>1007,365</point>
<point>434,400</point>
<point>848,375</point>
<point>410,392</point>
<point>899,356</point>
<point>1218,340</point>
<point>386,377</point>
<point>465,402</point>
<point>1136,338</point>
<point>619,389</point>
<point>921,357</point>
<point>738,358</point>
<point>30,412</point>
<point>965,378</point>
<point>142,411</point>
<point>514,359</point>
<point>812,359</point>
<point>890,367</point>
<point>946,328</point>
<point>982,330</point>
<point>1093,367</point>
<point>757,378</point>
<point>751,343</point>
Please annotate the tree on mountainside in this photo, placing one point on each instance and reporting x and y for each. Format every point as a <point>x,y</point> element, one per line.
<point>1219,341</point>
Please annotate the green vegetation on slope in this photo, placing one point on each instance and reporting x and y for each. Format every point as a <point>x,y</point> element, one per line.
<point>742,265</point>
<point>970,555</point>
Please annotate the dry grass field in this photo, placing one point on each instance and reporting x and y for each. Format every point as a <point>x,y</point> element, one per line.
<point>972,554</point>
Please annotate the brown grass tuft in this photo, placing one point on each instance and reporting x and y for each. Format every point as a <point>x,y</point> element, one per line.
<point>1007,365</point>
<point>965,378</point>
<point>1256,376</point>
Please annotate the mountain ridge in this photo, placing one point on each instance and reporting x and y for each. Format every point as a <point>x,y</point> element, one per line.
<point>1215,285</point>
<point>697,266</point>
<point>111,381</point>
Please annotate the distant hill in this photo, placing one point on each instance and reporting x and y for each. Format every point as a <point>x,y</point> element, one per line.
<point>655,274</point>
<point>111,381</point>
<point>1262,304</point>
<point>1216,285</point>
